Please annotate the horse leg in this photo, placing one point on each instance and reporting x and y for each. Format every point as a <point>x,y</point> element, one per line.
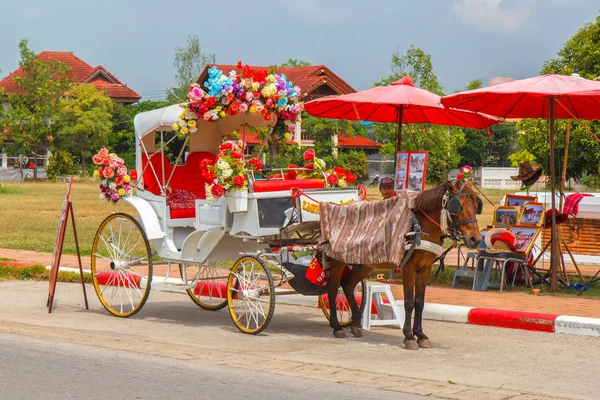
<point>408,283</point>
<point>348,285</point>
<point>333,283</point>
<point>420,286</point>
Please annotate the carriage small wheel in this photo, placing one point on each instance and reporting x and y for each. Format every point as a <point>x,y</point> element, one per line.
<point>343,308</point>
<point>121,265</point>
<point>206,284</point>
<point>250,295</point>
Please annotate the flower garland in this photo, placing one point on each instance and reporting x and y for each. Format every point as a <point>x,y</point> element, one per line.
<point>115,182</point>
<point>465,174</point>
<point>228,171</point>
<point>251,91</point>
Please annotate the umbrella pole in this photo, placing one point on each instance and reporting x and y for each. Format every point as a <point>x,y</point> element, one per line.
<point>554,249</point>
<point>398,137</point>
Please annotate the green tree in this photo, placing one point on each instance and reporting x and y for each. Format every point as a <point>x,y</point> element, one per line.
<point>293,63</point>
<point>29,115</point>
<point>581,51</point>
<point>84,122</point>
<point>416,64</point>
<point>122,138</point>
<point>474,84</point>
<point>189,62</point>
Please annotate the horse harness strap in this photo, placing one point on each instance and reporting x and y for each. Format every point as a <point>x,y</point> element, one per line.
<point>415,242</point>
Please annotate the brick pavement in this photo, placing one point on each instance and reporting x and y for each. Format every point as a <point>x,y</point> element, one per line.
<point>465,297</point>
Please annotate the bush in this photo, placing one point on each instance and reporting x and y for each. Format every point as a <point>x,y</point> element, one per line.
<point>59,163</point>
<point>355,162</point>
<point>591,181</point>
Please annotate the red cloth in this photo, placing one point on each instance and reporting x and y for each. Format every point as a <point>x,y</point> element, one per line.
<point>571,206</point>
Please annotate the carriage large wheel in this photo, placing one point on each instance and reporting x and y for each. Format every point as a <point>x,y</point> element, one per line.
<point>207,284</point>
<point>342,306</point>
<point>250,295</point>
<point>121,265</point>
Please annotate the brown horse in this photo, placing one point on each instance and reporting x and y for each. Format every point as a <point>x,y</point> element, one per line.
<point>462,203</point>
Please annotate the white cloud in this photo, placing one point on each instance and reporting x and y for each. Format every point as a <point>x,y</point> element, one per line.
<point>489,15</point>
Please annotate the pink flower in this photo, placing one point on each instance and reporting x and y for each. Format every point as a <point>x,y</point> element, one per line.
<point>249,96</point>
<point>97,159</point>
<point>243,107</point>
<point>196,94</point>
<point>122,171</point>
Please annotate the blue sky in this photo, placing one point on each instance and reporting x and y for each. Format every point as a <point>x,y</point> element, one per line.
<point>135,39</point>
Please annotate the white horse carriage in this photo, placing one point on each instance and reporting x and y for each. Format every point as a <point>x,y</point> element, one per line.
<point>231,251</point>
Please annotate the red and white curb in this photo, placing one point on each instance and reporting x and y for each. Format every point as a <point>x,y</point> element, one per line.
<point>530,321</point>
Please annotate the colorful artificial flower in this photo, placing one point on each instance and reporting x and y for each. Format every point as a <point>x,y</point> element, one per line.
<point>255,164</point>
<point>239,181</point>
<point>112,174</point>
<point>217,190</point>
<point>465,174</point>
<point>332,180</point>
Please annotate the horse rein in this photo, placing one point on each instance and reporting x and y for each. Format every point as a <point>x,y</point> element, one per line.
<point>451,230</point>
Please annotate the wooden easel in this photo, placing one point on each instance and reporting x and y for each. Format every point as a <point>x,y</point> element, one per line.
<point>67,209</point>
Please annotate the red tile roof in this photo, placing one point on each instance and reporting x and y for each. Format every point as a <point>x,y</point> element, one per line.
<point>80,72</point>
<point>307,78</point>
<point>356,142</point>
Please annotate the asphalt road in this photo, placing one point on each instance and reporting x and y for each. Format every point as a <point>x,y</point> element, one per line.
<point>37,369</point>
<point>466,361</point>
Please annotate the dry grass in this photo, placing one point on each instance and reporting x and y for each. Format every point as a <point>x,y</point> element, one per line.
<point>29,214</point>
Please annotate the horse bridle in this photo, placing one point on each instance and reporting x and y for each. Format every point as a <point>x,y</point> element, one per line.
<point>452,206</point>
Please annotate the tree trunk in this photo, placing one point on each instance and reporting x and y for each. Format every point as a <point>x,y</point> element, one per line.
<point>35,158</point>
<point>83,166</point>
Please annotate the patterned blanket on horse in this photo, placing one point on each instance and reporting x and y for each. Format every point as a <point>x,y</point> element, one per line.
<point>367,232</point>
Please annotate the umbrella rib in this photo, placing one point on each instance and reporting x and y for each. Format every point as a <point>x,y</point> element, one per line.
<point>336,106</point>
<point>374,111</point>
<point>514,105</point>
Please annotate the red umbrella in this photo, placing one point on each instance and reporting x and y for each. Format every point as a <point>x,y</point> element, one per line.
<point>548,96</point>
<point>401,102</point>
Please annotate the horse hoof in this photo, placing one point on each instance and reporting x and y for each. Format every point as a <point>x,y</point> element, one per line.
<point>340,334</point>
<point>411,345</point>
<point>356,332</point>
<point>424,343</point>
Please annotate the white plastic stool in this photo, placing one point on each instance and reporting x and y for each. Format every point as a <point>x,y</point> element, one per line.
<point>387,314</point>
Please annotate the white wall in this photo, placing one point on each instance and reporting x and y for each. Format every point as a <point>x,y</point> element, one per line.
<point>492,177</point>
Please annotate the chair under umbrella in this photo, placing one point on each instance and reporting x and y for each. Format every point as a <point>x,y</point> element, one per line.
<point>548,96</point>
<point>401,102</point>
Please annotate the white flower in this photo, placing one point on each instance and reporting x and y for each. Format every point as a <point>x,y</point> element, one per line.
<point>222,164</point>
<point>102,197</point>
<point>192,130</point>
<point>189,115</point>
<point>112,186</point>
<point>227,173</point>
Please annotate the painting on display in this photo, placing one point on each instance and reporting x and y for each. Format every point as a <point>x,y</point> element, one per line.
<point>411,170</point>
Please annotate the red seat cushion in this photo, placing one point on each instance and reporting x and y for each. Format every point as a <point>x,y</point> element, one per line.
<point>183,213</point>
<point>277,186</point>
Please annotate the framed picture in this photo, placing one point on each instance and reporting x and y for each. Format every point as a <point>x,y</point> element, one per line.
<point>525,236</point>
<point>401,170</point>
<point>531,213</point>
<point>417,170</point>
<point>505,217</point>
<point>518,201</point>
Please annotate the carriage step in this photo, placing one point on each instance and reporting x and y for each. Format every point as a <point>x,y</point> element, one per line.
<point>386,313</point>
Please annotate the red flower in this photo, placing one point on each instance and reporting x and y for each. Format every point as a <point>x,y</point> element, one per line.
<point>459,176</point>
<point>205,163</point>
<point>239,181</point>
<point>309,166</point>
<point>350,177</point>
<point>133,175</point>
<point>339,171</point>
<point>239,65</point>
<point>255,164</point>
<point>209,176</point>
<point>291,173</point>
<point>309,155</point>
<point>226,146</point>
<point>236,154</point>
<point>332,179</point>
<point>217,190</point>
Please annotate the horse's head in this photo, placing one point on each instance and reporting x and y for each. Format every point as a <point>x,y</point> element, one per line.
<point>464,205</point>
